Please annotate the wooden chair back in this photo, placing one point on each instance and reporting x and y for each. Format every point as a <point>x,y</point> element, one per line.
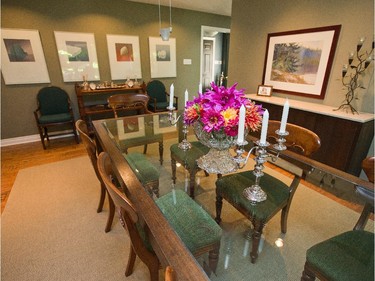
<point>136,101</point>
<point>170,274</point>
<point>299,140</point>
<point>129,220</point>
<point>88,143</point>
<point>368,167</point>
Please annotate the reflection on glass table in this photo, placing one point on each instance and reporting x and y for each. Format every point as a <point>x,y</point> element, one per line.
<point>313,216</point>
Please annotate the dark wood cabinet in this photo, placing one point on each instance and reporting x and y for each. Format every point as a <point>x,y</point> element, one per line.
<point>345,138</point>
<point>93,105</point>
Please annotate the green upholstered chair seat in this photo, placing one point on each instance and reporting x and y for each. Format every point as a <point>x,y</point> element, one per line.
<point>55,118</point>
<point>277,193</point>
<point>145,171</point>
<point>190,156</point>
<point>193,225</point>
<point>345,257</point>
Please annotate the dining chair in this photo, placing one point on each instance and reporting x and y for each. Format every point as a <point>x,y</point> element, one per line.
<point>170,274</point>
<point>92,152</point>
<point>159,98</point>
<point>348,256</point>
<point>134,102</point>
<point>53,110</point>
<point>129,102</point>
<point>279,194</point>
<point>188,159</point>
<point>199,232</point>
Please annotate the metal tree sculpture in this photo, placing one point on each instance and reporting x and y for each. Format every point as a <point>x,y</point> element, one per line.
<point>358,63</point>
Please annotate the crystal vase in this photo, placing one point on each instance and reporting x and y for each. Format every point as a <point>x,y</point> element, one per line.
<point>218,160</point>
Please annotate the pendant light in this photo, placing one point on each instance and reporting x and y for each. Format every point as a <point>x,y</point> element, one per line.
<point>165,32</point>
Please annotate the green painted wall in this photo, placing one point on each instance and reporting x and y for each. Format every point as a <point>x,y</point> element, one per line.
<point>253,20</point>
<point>99,17</point>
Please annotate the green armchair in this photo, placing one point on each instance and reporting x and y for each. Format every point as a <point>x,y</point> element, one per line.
<point>159,98</point>
<point>54,109</point>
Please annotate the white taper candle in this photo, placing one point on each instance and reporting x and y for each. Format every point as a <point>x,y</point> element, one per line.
<point>284,117</point>
<point>200,88</point>
<point>186,96</point>
<point>241,124</point>
<point>171,96</point>
<point>263,135</point>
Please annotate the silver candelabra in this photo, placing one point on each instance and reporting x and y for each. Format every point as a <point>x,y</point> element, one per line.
<point>184,144</point>
<point>255,193</point>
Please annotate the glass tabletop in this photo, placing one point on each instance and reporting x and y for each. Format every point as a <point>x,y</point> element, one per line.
<point>313,217</point>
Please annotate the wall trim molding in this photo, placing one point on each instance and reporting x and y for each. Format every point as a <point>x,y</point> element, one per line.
<point>28,139</point>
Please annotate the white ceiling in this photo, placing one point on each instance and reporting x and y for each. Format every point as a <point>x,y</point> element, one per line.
<point>220,7</point>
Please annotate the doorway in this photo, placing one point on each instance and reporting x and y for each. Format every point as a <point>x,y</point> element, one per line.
<point>214,55</point>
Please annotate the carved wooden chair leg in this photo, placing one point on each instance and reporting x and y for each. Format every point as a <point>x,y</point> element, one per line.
<point>131,261</point>
<point>161,150</point>
<point>284,218</point>
<point>367,210</point>
<point>219,206</point>
<point>102,198</point>
<point>110,215</point>
<point>213,258</point>
<point>192,182</point>
<point>307,274</point>
<point>145,149</point>
<point>154,271</point>
<point>256,236</point>
<point>173,163</point>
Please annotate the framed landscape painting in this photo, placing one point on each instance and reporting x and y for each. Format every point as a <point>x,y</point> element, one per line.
<point>21,55</point>
<point>299,62</point>
<point>162,57</point>
<point>77,55</point>
<point>124,57</point>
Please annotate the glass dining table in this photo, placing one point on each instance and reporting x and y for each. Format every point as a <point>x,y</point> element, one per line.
<point>283,255</point>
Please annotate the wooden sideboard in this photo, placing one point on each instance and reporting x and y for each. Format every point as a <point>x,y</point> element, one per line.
<point>93,105</point>
<point>345,137</point>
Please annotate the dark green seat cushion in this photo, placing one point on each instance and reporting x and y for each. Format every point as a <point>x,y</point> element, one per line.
<point>190,156</point>
<point>145,171</point>
<point>160,105</point>
<point>192,223</point>
<point>231,188</point>
<point>55,118</point>
<point>345,257</point>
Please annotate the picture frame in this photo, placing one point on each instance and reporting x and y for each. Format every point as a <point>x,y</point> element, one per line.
<point>134,128</point>
<point>299,62</point>
<point>264,90</point>
<point>124,57</point>
<point>77,55</point>
<point>162,124</point>
<point>21,54</point>
<point>162,57</point>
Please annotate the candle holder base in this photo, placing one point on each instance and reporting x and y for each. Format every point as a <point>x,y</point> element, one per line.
<point>254,194</point>
<point>184,145</point>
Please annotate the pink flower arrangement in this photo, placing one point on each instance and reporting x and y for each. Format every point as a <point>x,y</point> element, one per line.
<point>218,110</point>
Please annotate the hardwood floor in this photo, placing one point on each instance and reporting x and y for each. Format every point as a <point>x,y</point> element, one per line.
<point>17,157</point>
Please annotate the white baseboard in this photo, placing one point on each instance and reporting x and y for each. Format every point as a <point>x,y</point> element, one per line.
<point>27,139</point>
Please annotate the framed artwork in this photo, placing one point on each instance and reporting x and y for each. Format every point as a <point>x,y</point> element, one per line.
<point>21,55</point>
<point>299,62</point>
<point>124,57</point>
<point>77,55</point>
<point>264,90</point>
<point>162,123</point>
<point>133,128</point>
<point>162,57</point>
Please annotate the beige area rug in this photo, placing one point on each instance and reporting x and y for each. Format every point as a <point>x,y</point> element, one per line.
<point>51,231</point>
